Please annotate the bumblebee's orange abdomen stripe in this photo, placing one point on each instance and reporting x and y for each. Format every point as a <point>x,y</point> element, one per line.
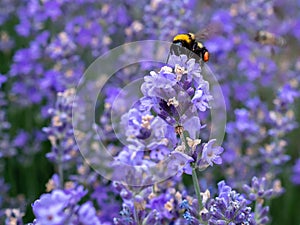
<point>183,37</point>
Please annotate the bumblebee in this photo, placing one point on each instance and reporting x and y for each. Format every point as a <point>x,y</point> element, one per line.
<point>268,38</point>
<point>187,44</point>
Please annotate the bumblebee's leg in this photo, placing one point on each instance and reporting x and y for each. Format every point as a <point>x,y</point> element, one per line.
<point>197,51</point>
<point>174,50</point>
<point>168,57</point>
<point>188,53</point>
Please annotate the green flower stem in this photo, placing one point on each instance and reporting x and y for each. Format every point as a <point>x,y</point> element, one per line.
<point>60,169</point>
<point>135,214</point>
<point>61,175</point>
<point>197,187</point>
<point>183,138</point>
<point>256,215</point>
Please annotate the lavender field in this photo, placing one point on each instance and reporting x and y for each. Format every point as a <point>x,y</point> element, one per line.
<point>106,119</point>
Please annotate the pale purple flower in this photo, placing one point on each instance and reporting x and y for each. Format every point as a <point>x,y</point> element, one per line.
<point>180,162</point>
<point>202,97</point>
<point>159,85</point>
<point>49,209</point>
<point>137,124</point>
<point>211,153</point>
<point>87,214</point>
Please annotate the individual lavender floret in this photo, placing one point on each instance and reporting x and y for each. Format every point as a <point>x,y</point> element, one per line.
<point>229,207</point>
<point>296,173</point>
<point>210,154</point>
<point>87,214</point>
<point>202,97</point>
<point>160,84</point>
<point>139,124</point>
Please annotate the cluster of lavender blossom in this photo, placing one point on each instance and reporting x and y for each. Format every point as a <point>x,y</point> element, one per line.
<point>46,47</point>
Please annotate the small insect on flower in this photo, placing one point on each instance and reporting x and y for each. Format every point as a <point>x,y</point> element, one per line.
<point>179,129</point>
<point>189,44</point>
<point>268,38</point>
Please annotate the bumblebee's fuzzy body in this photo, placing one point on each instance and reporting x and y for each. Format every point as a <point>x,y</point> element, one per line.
<point>187,44</point>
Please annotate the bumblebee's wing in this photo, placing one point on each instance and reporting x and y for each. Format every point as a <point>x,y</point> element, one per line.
<point>206,72</point>
<point>218,106</point>
<point>211,30</point>
<point>168,57</point>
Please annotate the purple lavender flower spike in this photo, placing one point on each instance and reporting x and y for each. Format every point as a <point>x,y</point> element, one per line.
<point>87,214</point>
<point>259,189</point>
<point>228,206</point>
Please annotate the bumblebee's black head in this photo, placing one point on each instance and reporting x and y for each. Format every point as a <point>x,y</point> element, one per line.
<point>261,36</point>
